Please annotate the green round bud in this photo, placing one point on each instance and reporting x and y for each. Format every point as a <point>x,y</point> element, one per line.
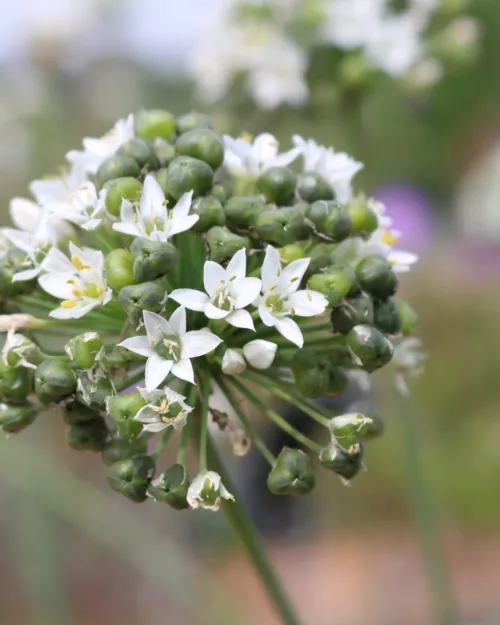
<point>335,283</point>
<point>94,393</point>
<point>137,298</point>
<point>122,409</point>
<point>319,263</point>
<point>87,435</point>
<point>346,463</point>
<point>285,356</point>
<point>25,352</point>
<point>376,426</point>
<point>331,219</point>
<point>193,120</point>
<point>222,191</point>
<point>337,381</point>
<point>171,487</point>
<point>153,124</point>
<point>364,220</point>
<point>292,473</point>
<point>131,477</point>
<point>312,187</point>
<point>189,174</point>
<point>84,349</point>
<point>162,179</point>
<point>54,380</point>
<point>16,383</point>
<point>291,252</point>
<point>203,144</point>
<point>16,417</point>
<point>119,449</point>
<point>152,259</point>
<point>281,226</point>
<point>118,269</point>
<point>142,151</point>
<point>349,428</point>
<point>224,244</point>
<point>312,381</point>
<point>277,184</point>
<point>408,317</point>
<point>117,167</point>
<point>376,276</point>
<point>370,347</point>
<point>386,316</point>
<point>351,312</point>
<point>121,189</point>
<point>210,211</point>
<point>242,211</point>
<point>12,262</point>
<point>74,412</point>
<point>165,152</point>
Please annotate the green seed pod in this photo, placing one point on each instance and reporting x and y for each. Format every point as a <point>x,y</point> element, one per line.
<point>54,380</point>
<point>165,152</point>
<point>171,487</point>
<point>117,167</point>
<point>131,477</point>
<point>84,349</point>
<point>346,463</point>
<point>16,417</point>
<point>87,435</point>
<point>137,298</point>
<point>118,269</point>
<point>312,381</point>
<point>142,151</point>
<point>376,276</point>
<point>74,412</point>
<point>281,226</point>
<point>364,220</point>
<point>242,211</point>
<point>337,381</point>
<point>331,219</point>
<point>203,144</point>
<point>292,473</point>
<point>222,191</point>
<point>189,174</point>
<point>224,244</point>
<point>312,187</point>
<point>408,317</point>
<point>277,184</point>
<point>122,409</point>
<point>349,428</point>
<point>351,312</point>
<point>335,283</point>
<point>16,383</point>
<point>193,120</point>
<point>210,211</point>
<point>153,124</point>
<point>94,393</point>
<point>386,316</point>
<point>285,356</point>
<point>377,426</point>
<point>121,189</point>
<point>152,259</point>
<point>22,352</point>
<point>370,347</point>
<point>291,252</point>
<point>12,262</point>
<point>162,179</point>
<point>119,449</point>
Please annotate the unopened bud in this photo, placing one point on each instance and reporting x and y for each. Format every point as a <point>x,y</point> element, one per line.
<point>117,167</point>
<point>171,487</point>
<point>189,174</point>
<point>370,347</point>
<point>152,259</point>
<point>85,349</point>
<point>313,187</point>
<point>132,477</point>
<point>233,362</point>
<point>118,269</point>
<point>154,123</point>
<point>346,463</point>
<point>123,409</point>
<point>242,211</point>
<point>292,473</point>
<point>259,353</point>
<point>202,143</point>
<point>277,184</point>
<point>142,151</point>
<point>119,449</point>
<point>88,435</point>
<point>16,417</point>
<point>140,297</point>
<point>54,380</point>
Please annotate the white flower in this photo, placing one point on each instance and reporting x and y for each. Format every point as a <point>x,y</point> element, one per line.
<point>83,206</point>
<point>98,150</point>
<point>206,491</point>
<point>169,348</point>
<point>228,292</point>
<point>23,348</point>
<point>151,219</point>
<point>281,298</point>
<point>233,362</point>
<point>164,408</point>
<point>35,250</point>
<point>79,282</point>
<point>259,353</point>
<point>401,261</point>
<point>58,188</point>
<point>382,242</point>
<point>349,23</point>
<point>245,158</point>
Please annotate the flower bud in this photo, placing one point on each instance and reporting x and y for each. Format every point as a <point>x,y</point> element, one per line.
<point>19,351</point>
<point>171,487</point>
<point>12,262</point>
<point>137,298</point>
<point>346,463</point>
<point>54,380</point>
<point>335,283</point>
<point>292,473</point>
<point>210,211</point>
<point>376,426</point>
<point>376,276</point>
<point>117,167</point>
<point>131,477</point>
<point>259,353</point>
<point>165,152</point>
<point>123,409</point>
<point>118,269</point>
<point>277,184</point>
<point>222,191</point>
<point>233,363</point>
<point>142,151</point>
<point>386,316</point>
<point>162,179</point>
<point>224,244</point>
<point>85,349</point>
<point>312,381</point>
<point>349,428</point>
<point>242,211</point>
<point>370,347</point>
<point>189,174</point>
<point>363,218</point>
<point>74,412</point>
<point>93,393</point>
<point>87,435</point>
<point>153,124</point>
<point>330,218</point>
<point>351,312</point>
<point>207,491</point>
<point>16,417</point>
<point>291,252</point>
<point>312,187</point>
<point>119,449</point>
<point>16,383</point>
<point>120,189</point>
<point>281,226</point>
<point>337,381</point>
<point>407,316</point>
<point>190,121</point>
<point>202,143</point>
<point>152,259</point>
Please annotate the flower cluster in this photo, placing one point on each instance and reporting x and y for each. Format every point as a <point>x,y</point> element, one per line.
<point>169,264</point>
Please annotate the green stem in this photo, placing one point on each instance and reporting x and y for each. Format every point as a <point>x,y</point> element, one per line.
<point>205,389</point>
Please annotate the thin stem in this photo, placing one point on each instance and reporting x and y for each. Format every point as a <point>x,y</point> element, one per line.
<point>205,389</point>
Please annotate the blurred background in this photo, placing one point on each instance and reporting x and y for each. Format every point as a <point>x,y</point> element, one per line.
<point>74,552</point>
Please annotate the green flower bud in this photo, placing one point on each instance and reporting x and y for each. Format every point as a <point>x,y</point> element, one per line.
<point>121,189</point>
<point>282,226</point>
<point>330,218</point>
<point>243,211</point>
<point>376,276</point>
<point>292,473</point>
<point>277,184</point>
<point>118,269</point>
<point>312,381</point>
<point>224,244</point>
<point>312,187</point>
<point>117,167</point>
<point>87,435</point>
<point>152,259</point>
<point>211,213</point>
<point>122,409</point>
<point>351,312</point>
<point>142,151</point>
<point>21,352</point>
<point>162,179</point>
<point>386,316</point>
<point>337,381</point>
<point>16,383</point>
<point>376,426</point>
<point>137,298</point>
<point>94,393</point>
<point>285,356</point>
<point>349,428</point>
<point>335,283</point>
<point>165,152</point>
<point>12,262</point>
<point>319,263</point>
<point>171,487</point>
<point>346,463</point>
<point>364,220</point>
<point>74,412</point>
<point>16,417</point>
<point>131,477</point>
<point>189,174</point>
<point>84,349</point>
<point>370,347</point>
<point>203,144</point>
<point>193,120</point>
<point>54,380</point>
<point>153,124</point>
<point>222,191</point>
<point>408,317</point>
<point>291,252</point>
<point>119,449</point>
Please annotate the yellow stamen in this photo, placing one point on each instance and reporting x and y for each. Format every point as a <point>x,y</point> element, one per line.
<point>246,136</point>
<point>78,263</point>
<point>70,281</point>
<point>77,293</point>
<point>68,303</point>
<point>389,238</point>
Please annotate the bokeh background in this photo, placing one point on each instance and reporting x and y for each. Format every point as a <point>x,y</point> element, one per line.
<point>75,553</point>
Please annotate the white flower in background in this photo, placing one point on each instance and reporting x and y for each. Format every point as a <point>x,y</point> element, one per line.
<point>152,219</point>
<point>228,292</point>
<point>164,408</point>
<point>58,188</point>
<point>34,248</point>
<point>280,298</point>
<point>83,207</point>
<point>207,491</point>
<point>169,347</point>
<point>349,23</point>
<point>79,282</point>
<point>260,353</point>
<point>409,361</point>
<point>233,362</point>
<point>401,261</point>
<point>251,158</point>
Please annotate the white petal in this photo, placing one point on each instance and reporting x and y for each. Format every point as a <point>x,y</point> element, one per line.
<point>245,291</point>
<point>127,228</point>
<point>184,370</point>
<point>241,319</point>
<point>156,326</point>
<point>24,241</point>
<point>178,321</point>
<point>212,312</point>
<point>290,330</point>
<point>91,224</point>
<point>28,274</point>
<point>259,353</point>
<point>69,313</point>
<point>127,211</point>
<point>25,214</point>
<point>175,226</point>
<point>307,303</point>
<point>157,426</point>
<point>237,266</point>
<point>283,160</point>
<point>271,267</point>
<point>213,275</point>
<point>152,203</point>
<point>56,284</point>
<point>265,148</point>
<point>57,262</point>
<point>267,318</point>
<point>199,343</point>
<point>181,209</point>
<point>233,362</point>
<point>294,272</point>
<point>190,298</point>
<point>157,369</point>
<point>138,344</point>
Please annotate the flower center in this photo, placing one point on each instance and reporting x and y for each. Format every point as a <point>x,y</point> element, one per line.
<point>275,304</point>
<point>209,494</point>
<point>223,299</point>
<point>389,238</point>
<point>169,347</point>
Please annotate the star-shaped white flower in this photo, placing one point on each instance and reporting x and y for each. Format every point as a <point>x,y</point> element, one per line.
<point>281,299</point>
<point>169,348</point>
<point>207,491</point>
<point>382,241</point>
<point>152,219</point>
<point>245,158</point>
<point>164,408</point>
<point>83,206</point>
<point>228,292</point>
<point>79,282</point>
<point>35,248</point>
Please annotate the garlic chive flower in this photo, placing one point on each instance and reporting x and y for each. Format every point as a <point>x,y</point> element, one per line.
<point>164,408</point>
<point>246,157</point>
<point>207,491</point>
<point>83,207</point>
